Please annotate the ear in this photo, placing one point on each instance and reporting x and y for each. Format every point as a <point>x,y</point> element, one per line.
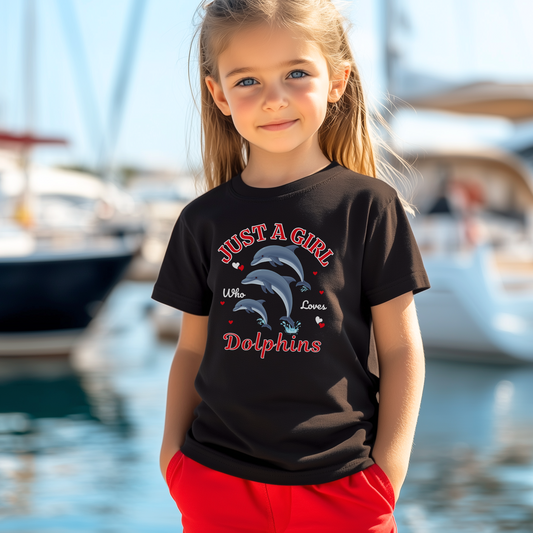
<point>218,95</point>
<point>338,86</point>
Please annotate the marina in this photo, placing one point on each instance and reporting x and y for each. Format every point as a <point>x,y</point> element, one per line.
<point>85,352</point>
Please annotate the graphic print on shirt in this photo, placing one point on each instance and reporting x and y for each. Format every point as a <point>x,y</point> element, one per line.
<point>278,290</point>
<point>254,306</point>
<point>279,255</point>
<point>275,284</point>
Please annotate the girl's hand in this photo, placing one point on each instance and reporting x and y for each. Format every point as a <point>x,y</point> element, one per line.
<point>396,483</point>
<point>167,452</point>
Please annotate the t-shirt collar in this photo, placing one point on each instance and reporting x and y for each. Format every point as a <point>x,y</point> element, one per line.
<point>242,189</point>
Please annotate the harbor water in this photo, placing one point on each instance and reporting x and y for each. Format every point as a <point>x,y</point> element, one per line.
<point>80,437</point>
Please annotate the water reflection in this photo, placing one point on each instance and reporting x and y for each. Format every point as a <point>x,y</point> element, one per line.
<point>80,438</point>
<point>472,463</point>
<point>35,388</point>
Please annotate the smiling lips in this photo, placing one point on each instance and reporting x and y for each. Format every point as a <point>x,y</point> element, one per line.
<point>279,125</point>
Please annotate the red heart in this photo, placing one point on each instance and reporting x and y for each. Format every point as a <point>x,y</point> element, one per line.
<point>230,321</point>
<point>315,273</point>
<point>222,303</point>
<point>321,324</point>
<point>241,267</point>
<point>321,292</point>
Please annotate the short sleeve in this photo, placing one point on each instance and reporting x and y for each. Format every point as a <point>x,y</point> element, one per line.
<point>392,263</point>
<point>182,279</point>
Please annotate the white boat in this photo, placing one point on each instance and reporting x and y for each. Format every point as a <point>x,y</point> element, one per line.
<point>480,306</point>
<point>75,234</point>
<point>163,196</point>
<point>56,272</point>
<point>475,233</point>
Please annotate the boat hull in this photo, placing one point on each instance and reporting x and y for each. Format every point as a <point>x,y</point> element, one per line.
<point>47,301</point>
<point>467,314</point>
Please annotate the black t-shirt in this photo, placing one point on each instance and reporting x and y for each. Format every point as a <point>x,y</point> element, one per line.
<point>287,275</point>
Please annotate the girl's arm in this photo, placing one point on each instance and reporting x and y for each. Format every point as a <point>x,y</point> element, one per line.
<point>402,370</point>
<point>182,397</point>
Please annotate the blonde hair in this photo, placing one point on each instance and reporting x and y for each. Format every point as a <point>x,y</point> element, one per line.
<point>346,134</point>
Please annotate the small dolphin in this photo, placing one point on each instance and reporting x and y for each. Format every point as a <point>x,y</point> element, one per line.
<point>279,255</point>
<point>253,306</point>
<point>272,282</point>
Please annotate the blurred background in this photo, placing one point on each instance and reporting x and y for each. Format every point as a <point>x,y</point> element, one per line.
<point>98,146</point>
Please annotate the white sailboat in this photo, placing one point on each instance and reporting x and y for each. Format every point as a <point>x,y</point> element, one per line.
<point>480,306</point>
<point>66,239</point>
<point>475,227</point>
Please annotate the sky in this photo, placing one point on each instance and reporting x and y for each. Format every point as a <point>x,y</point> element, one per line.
<point>457,40</point>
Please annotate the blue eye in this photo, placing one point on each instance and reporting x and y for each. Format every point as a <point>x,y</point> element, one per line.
<point>242,84</point>
<point>298,72</point>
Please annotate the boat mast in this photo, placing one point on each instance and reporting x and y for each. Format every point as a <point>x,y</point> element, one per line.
<point>23,213</point>
<point>24,210</point>
<point>82,75</point>
<point>394,20</point>
<point>389,58</point>
<point>390,52</point>
<point>118,98</point>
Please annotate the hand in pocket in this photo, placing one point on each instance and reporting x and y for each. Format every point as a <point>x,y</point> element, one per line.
<point>165,457</point>
<point>395,490</point>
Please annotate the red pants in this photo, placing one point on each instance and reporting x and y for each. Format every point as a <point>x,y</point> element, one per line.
<point>213,502</point>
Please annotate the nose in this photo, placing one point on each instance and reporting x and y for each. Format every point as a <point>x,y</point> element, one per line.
<point>274,98</point>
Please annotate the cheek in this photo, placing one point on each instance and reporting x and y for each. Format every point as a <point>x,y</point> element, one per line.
<point>242,105</point>
<point>312,101</point>
<point>243,116</point>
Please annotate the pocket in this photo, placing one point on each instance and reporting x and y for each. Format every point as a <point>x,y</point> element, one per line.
<point>173,465</point>
<point>386,484</point>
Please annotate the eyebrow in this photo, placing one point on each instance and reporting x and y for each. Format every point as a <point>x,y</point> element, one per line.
<point>289,63</point>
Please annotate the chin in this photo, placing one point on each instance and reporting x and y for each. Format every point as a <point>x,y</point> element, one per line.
<point>279,148</point>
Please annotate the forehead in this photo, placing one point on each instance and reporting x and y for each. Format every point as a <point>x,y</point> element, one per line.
<point>264,47</point>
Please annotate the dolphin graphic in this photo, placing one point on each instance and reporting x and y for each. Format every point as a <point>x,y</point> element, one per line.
<point>272,282</point>
<point>253,306</point>
<point>279,255</point>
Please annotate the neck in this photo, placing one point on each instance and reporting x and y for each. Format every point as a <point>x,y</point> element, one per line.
<point>271,169</point>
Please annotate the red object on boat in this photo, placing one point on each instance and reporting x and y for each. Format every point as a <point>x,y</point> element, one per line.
<point>27,139</point>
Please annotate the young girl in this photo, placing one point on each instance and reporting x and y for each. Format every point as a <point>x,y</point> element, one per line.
<point>295,273</point>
